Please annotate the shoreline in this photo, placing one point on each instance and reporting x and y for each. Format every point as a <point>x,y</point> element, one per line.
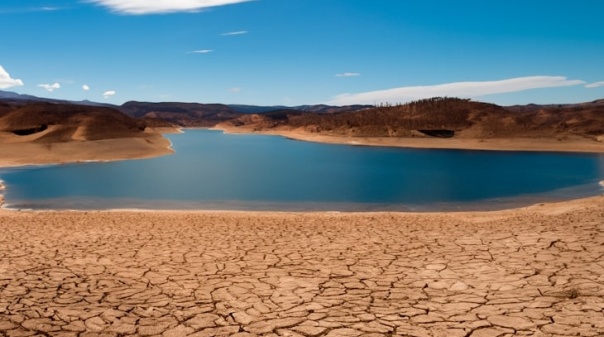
<point>107,150</point>
<point>554,206</point>
<point>326,211</point>
<point>493,144</point>
<point>481,206</point>
<point>22,154</point>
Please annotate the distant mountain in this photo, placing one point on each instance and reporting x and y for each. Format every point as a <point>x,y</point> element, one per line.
<point>91,103</point>
<point>319,108</point>
<point>181,114</point>
<point>254,109</point>
<point>529,107</point>
<point>322,108</point>
<point>205,115</point>
<point>13,96</point>
<point>16,98</point>
<point>184,114</point>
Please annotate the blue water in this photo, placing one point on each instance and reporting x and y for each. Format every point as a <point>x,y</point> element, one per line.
<point>211,170</point>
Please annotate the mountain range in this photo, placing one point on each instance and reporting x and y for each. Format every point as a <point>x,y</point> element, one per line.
<point>435,117</point>
<point>184,114</point>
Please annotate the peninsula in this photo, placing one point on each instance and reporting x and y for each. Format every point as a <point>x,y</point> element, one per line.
<point>46,133</point>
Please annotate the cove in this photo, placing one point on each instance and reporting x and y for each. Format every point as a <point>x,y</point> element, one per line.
<point>215,171</point>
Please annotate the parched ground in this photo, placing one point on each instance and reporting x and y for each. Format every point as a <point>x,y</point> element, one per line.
<point>531,272</point>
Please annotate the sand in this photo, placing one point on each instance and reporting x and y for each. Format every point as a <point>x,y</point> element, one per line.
<point>489,144</point>
<point>33,153</point>
<point>535,271</point>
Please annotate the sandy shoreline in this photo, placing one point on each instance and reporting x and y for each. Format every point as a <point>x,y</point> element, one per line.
<point>532,271</point>
<point>521,144</point>
<point>14,154</point>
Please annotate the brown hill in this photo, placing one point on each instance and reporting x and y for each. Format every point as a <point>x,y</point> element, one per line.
<point>440,117</point>
<point>53,123</point>
<point>43,133</point>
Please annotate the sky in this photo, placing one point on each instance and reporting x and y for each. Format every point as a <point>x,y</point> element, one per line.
<point>294,52</point>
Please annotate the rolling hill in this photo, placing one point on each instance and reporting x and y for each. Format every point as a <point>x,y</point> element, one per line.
<point>44,133</point>
<point>65,122</point>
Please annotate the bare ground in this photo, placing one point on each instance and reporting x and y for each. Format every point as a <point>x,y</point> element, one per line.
<point>537,271</point>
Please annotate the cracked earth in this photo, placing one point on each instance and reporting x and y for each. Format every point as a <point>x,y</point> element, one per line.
<point>537,271</point>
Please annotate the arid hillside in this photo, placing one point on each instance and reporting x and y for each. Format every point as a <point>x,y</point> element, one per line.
<point>46,133</point>
<point>51,123</point>
<point>440,117</point>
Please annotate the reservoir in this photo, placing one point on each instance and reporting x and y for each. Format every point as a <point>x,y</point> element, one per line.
<point>215,171</point>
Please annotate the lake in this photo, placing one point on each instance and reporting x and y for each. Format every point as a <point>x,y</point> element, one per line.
<point>212,170</point>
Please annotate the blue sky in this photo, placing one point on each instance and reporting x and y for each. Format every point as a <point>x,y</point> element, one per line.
<point>291,52</point>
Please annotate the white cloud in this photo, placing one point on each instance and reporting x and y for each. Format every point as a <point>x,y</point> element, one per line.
<point>457,89</point>
<point>85,87</point>
<point>201,51</point>
<point>50,87</point>
<point>241,32</point>
<point>348,75</point>
<point>235,89</point>
<point>29,10</point>
<point>109,93</point>
<point>140,7</point>
<point>595,85</point>
<point>6,81</point>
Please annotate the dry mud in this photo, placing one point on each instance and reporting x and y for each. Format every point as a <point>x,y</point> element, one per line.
<point>537,271</point>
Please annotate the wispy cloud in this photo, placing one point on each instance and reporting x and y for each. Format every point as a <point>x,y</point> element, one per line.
<point>201,51</point>
<point>595,85</point>
<point>235,90</point>
<point>29,10</point>
<point>6,81</point>
<point>241,32</point>
<point>457,89</point>
<point>109,93</point>
<point>85,87</point>
<point>141,7</point>
<point>50,87</point>
<point>348,75</point>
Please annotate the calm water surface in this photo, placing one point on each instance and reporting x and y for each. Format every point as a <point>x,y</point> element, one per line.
<point>211,170</point>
